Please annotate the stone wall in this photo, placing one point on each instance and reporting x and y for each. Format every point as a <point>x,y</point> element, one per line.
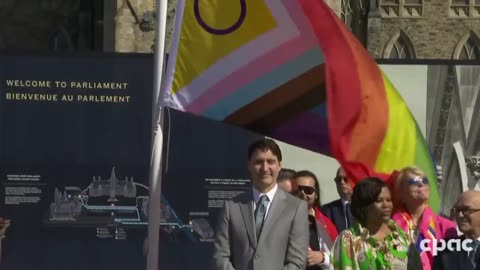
<point>129,26</point>
<point>135,26</point>
<point>434,35</point>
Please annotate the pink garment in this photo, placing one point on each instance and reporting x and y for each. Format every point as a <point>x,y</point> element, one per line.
<point>444,229</point>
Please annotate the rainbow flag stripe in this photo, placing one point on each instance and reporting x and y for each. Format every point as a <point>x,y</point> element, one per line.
<point>371,130</point>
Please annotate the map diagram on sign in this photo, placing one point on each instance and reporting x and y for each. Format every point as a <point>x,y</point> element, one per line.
<point>118,203</point>
<point>102,203</point>
<point>197,229</point>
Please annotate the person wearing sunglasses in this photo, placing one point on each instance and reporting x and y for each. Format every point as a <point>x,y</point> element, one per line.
<point>322,231</point>
<point>374,242</point>
<point>339,210</point>
<point>414,216</point>
<point>467,214</point>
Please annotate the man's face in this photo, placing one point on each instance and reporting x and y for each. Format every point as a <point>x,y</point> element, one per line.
<point>264,168</point>
<point>467,213</point>
<point>344,185</point>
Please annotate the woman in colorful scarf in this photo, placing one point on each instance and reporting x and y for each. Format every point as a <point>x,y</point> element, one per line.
<point>374,242</point>
<point>414,216</point>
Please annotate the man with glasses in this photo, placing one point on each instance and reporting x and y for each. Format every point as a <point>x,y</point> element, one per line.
<point>338,211</point>
<point>467,214</point>
<point>265,228</point>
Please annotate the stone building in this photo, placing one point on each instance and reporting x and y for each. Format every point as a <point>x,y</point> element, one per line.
<point>445,29</point>
<point>424,29</point>
<point>77,25</point>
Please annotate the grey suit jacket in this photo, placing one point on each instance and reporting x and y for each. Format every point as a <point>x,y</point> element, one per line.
<point>283,243</point>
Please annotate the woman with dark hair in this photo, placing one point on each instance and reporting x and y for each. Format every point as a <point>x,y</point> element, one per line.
<point>374,241</point>
<point>322,230</point>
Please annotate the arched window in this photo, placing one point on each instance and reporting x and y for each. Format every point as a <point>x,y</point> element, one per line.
<point>400,50</point>
<point>347,13</point>
<point>354,14</point>
<point>61,40</point>
<point>468,48</point>
<point>399,47</point>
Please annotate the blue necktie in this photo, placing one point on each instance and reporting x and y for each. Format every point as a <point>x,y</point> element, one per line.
<point>260,214</point>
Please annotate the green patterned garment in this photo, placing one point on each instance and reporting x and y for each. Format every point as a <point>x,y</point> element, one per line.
<point>355,249</point>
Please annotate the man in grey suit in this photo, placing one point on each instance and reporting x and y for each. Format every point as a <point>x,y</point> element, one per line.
<point>265,228</point>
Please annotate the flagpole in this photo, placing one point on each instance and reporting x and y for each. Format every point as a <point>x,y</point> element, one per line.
<point>155,175</point>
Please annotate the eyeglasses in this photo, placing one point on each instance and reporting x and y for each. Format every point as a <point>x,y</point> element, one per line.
<point>417,180</point>
<point>339,179</point>
<point>464,210</point>
<point>306,189</point>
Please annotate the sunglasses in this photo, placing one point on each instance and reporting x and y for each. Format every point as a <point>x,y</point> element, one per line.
<point>339,179</point>
<point>306,189</point>
<point>417,180</point>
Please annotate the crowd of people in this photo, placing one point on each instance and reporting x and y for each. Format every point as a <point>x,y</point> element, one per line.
<point>280,224</point>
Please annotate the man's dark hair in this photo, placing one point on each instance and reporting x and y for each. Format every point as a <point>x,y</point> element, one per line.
<point>285,174</point>
<point>265,145</point>
<point>310,174</point>
<point>364,194</point>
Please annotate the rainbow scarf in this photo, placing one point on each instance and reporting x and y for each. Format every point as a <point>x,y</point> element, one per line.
<point>427,227</point>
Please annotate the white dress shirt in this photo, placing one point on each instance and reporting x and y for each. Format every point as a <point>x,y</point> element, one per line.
<point>344,203</point>
<point>270,194</point>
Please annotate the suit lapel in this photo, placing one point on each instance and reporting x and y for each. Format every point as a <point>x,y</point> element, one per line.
<point>246,208</point>
<point>274,212</point>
